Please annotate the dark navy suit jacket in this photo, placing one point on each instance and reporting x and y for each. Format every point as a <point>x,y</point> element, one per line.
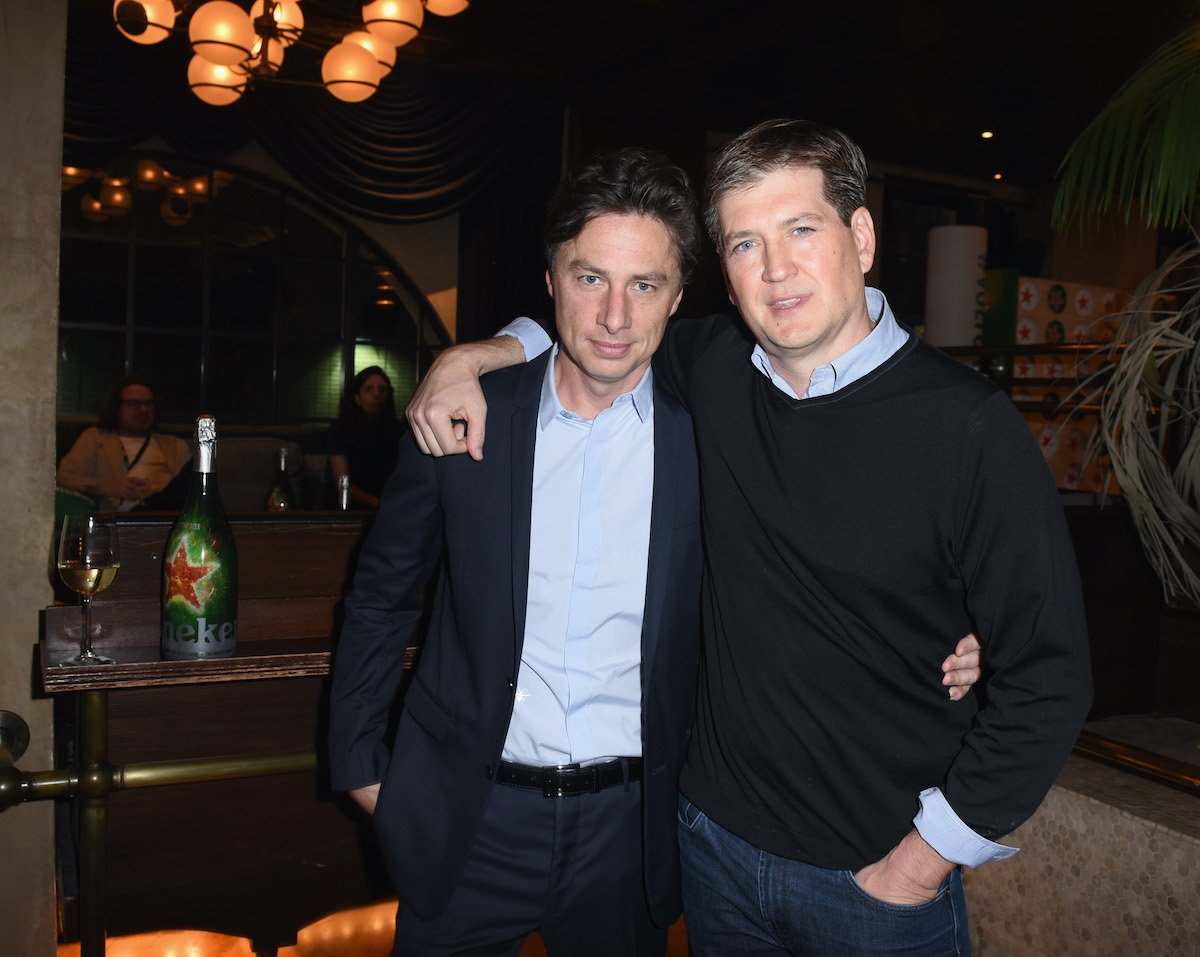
<point>475,518</point>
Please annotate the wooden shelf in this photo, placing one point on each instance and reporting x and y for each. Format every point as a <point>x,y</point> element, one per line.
<point>140,666</point>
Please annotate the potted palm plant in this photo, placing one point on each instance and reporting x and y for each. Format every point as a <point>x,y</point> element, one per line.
<point>1140,158</point>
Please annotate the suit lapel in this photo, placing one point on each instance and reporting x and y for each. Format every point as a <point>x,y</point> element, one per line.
<point>523,427</point>
<point>667,436</point>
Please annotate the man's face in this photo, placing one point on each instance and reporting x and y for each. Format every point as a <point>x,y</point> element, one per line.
<point>614,287</point>
<point>793,269</point>
<point>135,414</point>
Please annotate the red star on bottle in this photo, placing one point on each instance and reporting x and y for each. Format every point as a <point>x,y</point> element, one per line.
<point>182,576</point>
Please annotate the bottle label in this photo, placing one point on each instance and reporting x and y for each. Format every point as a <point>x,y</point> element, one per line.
<point>199,617</point>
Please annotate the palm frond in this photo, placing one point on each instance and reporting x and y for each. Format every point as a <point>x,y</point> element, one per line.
<point>1155,458</point>
<point>1141,154</point>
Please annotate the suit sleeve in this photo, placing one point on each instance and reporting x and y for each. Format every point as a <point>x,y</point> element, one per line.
<point>1023,593</point>
<point>397,559</point>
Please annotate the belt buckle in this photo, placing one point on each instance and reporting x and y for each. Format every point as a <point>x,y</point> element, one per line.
<point>572,781</point>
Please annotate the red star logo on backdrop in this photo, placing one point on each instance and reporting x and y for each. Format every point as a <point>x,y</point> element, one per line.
<point>1024,370</point>
<point>1028,295</point>
<point>1083,302</point>
<point>182,577</point>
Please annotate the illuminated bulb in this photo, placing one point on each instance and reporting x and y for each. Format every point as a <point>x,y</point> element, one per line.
<point>446,8</point>
<point>288,17</point>
<point>997,176</point>
<point>144,21</point>
<point>383,52</point>
<point>274,59</point>
<point>986,135</point>
<point>115,198</point>
<point>394,21</point>
<point>91,209</point>
<point>197,187</point>
<point>350,72</point>
<point>150,175</point>
<point>74,175</point>
<point>215,84</point>
<point>221,32</point>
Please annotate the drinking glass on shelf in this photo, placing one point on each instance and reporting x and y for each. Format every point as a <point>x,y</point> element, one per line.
<point>87,563</point>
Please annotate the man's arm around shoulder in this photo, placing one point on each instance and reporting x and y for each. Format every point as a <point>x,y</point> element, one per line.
<point>448,413</point>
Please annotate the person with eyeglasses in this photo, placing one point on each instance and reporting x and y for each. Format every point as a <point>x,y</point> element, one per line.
<point>123,461</point>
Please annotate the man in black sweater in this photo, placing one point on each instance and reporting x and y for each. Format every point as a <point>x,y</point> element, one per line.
<point>864,497</point>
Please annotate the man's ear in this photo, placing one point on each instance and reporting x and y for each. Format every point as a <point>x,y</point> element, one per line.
<point>675,304</point>
<point>549,284</point>
<point>863,229</point>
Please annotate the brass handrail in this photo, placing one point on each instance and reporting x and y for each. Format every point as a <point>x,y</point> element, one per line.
<point>1146,764</point>
<point>92,779</point>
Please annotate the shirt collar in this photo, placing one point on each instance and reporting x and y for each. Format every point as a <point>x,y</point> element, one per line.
<point>864,357</point>
<point>549,406</point>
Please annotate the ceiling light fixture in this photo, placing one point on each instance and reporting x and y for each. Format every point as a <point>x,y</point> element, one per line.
<point>986,135</point>
<point>234,48</point>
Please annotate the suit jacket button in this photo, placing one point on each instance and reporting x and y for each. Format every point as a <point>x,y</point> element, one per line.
<point>487,772</point>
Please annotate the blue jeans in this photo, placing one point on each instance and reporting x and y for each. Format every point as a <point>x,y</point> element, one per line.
<point>740,901</point>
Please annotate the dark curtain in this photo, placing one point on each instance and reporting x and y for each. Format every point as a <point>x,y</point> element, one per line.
<point>427,144</point>
<point>501,264</point>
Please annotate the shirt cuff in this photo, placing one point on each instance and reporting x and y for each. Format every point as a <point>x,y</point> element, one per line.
<point>945,832</point>
<point>532,336</point>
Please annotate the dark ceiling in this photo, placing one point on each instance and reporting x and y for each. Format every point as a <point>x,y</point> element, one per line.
<point>913,82</point>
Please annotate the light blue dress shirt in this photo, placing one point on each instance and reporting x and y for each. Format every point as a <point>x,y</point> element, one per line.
<point>936,820</point>
<point>579,692</point>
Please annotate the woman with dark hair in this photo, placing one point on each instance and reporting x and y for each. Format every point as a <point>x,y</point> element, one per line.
<point>122,461</point>
<point>365,436</point>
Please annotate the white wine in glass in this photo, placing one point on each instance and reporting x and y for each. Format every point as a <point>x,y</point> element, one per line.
<point>88,560</point>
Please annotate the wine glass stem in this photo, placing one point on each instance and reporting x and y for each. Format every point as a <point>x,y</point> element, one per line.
<point>85,640</point>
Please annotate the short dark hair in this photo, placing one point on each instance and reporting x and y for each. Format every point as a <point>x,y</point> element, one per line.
<point>111,405</point>
<point>630,180</point>
<point>778,144</point>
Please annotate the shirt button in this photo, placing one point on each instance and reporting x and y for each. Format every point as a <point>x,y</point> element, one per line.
<point>487,772</point>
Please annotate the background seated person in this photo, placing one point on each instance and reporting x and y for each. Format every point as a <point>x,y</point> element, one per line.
<point>123,461</point>
<point>365,437</point>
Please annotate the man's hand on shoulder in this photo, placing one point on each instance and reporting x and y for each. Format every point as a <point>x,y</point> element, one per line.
<point>448,412</point>
<point>909,874</point>
<point>366,797</point>
<point>963,667</point>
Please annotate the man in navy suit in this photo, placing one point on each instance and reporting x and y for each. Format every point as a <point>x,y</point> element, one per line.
<point>532,783</point>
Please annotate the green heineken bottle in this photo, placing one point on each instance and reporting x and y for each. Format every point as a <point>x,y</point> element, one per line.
<point>200,566</point>
<point>279,499</point>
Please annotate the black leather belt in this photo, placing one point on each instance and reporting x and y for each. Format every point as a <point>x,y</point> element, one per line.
<point>568,780</point>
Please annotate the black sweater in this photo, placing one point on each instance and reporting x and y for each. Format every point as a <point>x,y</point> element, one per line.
<point>850,541</point>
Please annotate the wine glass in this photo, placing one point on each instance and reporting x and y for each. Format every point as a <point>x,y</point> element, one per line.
<point>87,563</point>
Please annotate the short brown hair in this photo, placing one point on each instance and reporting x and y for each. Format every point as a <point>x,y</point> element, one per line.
<point>778,144</point>
<point>627,181</point>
